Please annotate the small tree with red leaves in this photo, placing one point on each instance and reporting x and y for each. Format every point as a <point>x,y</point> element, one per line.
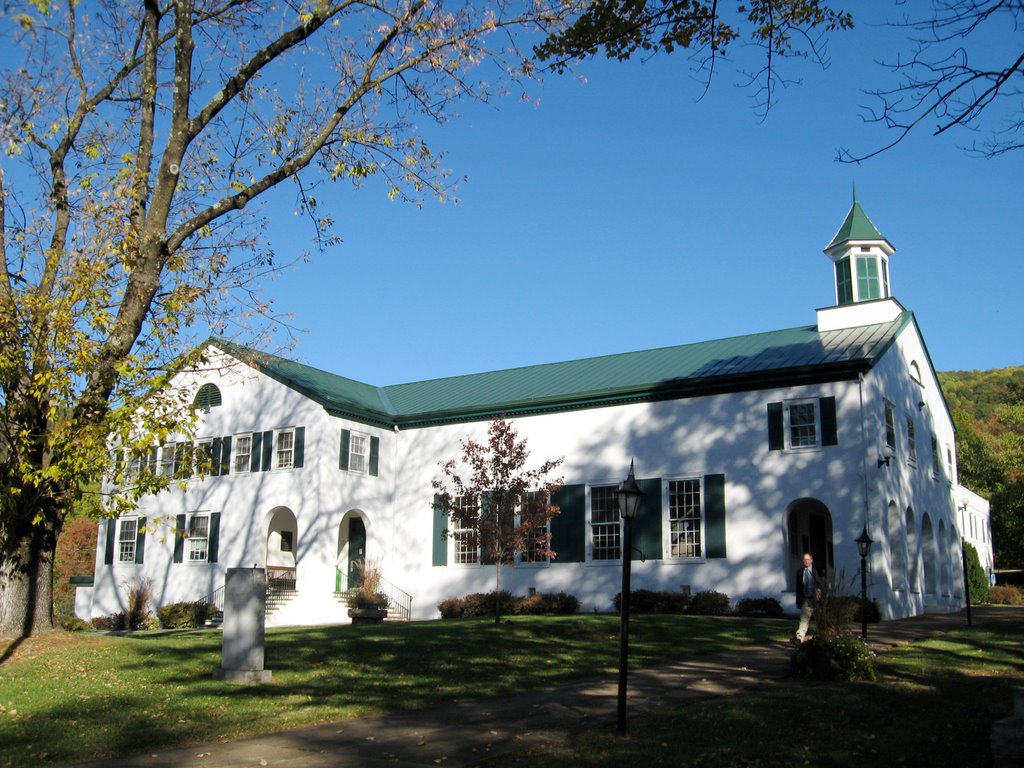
<point>499,511</point>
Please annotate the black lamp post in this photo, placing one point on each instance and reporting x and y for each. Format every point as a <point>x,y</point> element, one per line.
<point>864,543</point>
<point>629,496</point>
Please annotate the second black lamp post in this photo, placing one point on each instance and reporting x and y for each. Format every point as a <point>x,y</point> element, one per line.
<point>864,542</point>
<point>629,497</point>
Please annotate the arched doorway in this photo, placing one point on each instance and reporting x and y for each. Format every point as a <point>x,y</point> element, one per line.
<point>913,570</point>
<point>282,543</point>
<point>351,550</point>
<point>928,555</point>
<point>897,548</point>
<point>809,529</point>
<point>944,555</point>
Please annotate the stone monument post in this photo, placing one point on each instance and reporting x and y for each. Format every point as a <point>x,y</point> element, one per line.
<point>245,613</point>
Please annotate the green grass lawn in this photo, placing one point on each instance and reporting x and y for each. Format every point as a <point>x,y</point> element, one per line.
<point>67,697</point>
<point>933,707</point>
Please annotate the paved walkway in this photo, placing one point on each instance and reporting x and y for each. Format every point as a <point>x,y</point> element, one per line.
<point>462,733</point>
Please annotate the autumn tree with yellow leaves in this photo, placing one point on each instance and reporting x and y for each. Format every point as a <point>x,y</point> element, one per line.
<point>137,136</point>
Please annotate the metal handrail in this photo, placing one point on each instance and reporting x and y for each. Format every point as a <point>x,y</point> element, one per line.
<point>399,601</point>
<point>215,598</point>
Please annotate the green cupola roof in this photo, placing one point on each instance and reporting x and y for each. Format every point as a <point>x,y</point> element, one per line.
<point>857,226</point>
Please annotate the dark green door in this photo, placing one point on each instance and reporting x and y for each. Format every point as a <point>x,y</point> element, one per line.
<point>356,550</point>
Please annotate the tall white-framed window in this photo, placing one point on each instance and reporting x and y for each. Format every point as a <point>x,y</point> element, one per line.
<point>284,448</point>
<point>127,539</point>
<point>685,518</point>
<point>166,466</point>
<point>936,462</point>
<point>605,525</point>
<point>802,423</point>
<point>465,541</point>
<point>358,453</point>
<point>890,427</point>
<point>204,456</point>
<point>911,442</point>
<point>133,464</point>
<point>198,541</point>
<point>242,448</point>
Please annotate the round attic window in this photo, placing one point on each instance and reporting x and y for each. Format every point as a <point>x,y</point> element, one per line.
<point>207,397</point>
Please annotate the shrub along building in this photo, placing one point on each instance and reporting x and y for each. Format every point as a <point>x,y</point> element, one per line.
<point>750,451</point>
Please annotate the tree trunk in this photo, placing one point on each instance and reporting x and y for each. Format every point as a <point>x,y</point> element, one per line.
<point>497,591</point>
<point>26,578</point>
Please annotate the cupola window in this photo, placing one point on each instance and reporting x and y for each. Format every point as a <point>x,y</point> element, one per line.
<point>868,282</point>
<point>844,282</point>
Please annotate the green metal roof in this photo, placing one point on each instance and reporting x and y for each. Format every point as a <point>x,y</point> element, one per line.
<point>757,361</point>
<point>857,226</point>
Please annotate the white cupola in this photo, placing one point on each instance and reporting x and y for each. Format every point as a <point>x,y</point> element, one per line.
<point>860,258</point>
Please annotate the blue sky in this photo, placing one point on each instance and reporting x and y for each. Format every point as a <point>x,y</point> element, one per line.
<point>623,213</point>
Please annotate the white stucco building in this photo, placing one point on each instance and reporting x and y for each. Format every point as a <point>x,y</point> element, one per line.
<point>751,450</point>
<point>975,517</point>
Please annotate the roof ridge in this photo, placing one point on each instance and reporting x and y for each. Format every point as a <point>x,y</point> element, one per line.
<point>606,356</point>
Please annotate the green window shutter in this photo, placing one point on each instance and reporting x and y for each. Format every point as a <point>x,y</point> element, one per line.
<point>374,455</point>
<point>647,525</point>
<point>214,541</point>
<point>151,460</point>
<point>440,550</point>
<point>188,452</point>
<point>714,515</point>
<point>179,539</point>
<point>257,451</point>
<point>569,526</point>
<point>298,454</point>
<point>225,455</point>
<point>140,541</point>
<point>215,456</point>
<point>829,431</point>
<point>346,437</point>
<point>776,427</point>
<point>108,552</point>
<point>267,459</point>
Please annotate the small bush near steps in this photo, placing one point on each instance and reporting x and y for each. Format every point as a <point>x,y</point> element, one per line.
<point>843,657</point>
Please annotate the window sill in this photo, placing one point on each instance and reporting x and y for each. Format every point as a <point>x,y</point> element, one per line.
<point>803,449</point>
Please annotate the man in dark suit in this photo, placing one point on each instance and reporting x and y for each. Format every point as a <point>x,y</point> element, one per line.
<point>806,594</point>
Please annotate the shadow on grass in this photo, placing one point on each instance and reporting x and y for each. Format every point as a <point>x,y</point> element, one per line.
<point>934,706</point>
<point>114,696</point>
<point>117,695</point>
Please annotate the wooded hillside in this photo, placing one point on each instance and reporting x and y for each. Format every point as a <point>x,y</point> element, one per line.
<point>988,410</point>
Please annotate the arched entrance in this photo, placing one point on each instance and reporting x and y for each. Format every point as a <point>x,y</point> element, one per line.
<point>913,570</point>
<point>282,542</point>
<point>897,548</point>
<point>351,550</point>
<point>944,555</point>
<point>928,555</point>
<point>809,529</point>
